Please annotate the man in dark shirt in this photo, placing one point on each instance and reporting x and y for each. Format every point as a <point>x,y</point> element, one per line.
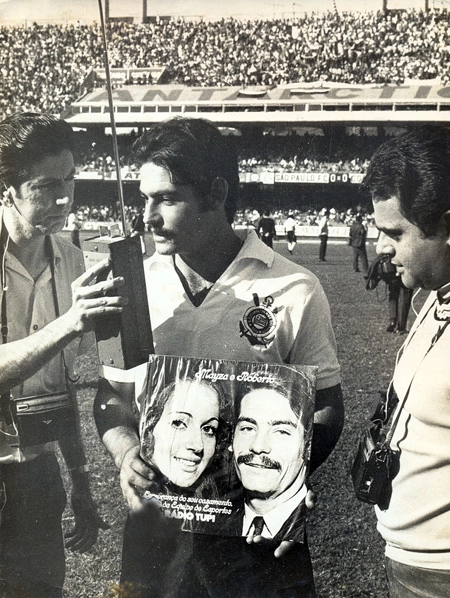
<point>266,229</point>
<point>357,240</point>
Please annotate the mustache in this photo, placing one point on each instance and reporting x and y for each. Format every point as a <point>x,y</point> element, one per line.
<point>263,460</point>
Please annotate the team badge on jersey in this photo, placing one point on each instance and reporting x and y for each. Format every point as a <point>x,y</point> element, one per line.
<point>259,322</point>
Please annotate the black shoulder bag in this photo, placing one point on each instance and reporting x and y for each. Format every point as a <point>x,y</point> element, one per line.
<point>372,465</point>
<point>371,470</point>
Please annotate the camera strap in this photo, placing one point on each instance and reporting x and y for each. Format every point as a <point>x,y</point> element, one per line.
<point>387,406</point>
<point>5,409</point>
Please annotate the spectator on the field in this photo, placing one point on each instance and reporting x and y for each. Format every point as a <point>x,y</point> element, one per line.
<point>409,180</point>
<point>323,234</point>
<point>357,240</point>
<point>266,229</point>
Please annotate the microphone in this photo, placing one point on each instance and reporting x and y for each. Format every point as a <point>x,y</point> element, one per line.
<point>59,202</point>
<point>23,216</point>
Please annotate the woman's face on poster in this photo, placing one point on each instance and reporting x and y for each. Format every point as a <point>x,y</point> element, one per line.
<point>185,435</point>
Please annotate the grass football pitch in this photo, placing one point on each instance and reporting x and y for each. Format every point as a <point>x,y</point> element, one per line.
<point>346,549</point>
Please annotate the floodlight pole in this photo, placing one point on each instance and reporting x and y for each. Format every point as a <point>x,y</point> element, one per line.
<point>144,11</point>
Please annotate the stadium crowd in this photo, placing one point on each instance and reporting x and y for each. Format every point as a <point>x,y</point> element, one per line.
<point>311,151</point>
<point>246,217</point>
<point>44,67</point>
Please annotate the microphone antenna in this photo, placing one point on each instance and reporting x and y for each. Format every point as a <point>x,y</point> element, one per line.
<point>113,123</point>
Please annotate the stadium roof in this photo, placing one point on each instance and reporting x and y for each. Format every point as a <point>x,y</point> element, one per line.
<point>140,105</point>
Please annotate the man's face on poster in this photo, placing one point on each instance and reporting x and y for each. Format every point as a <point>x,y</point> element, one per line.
<point>268,444</point>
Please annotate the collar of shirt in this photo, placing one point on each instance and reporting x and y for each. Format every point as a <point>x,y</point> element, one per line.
<point>443,294</point>
<point>55,244</point>
<point>273,519</point>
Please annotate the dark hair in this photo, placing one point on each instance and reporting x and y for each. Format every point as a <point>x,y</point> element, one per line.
<point>289,386</point>
<point>154,413</point>
<point>195,153</point>
<point>415,167</point>
<point>25,139</point>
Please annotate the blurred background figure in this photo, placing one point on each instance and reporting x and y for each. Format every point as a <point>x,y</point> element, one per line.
<point>266,229</point>
<point>399,297</point>
<point>74,225</point>
<point>323,234</point>
<point>289,229</point>
<point>138,227</point>
<point>357,240</point>
<point>399,302</point>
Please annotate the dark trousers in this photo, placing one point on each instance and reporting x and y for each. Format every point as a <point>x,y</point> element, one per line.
<point>157,557</point>
<point>75,237</point>
<point>228,567</point>
<point>267,240</point>
<point>360,255</point>
<point>323,247</point>
<point>399,301</point>
<point>414,582</point>
<point>32,559</point>
<point>159,561</point>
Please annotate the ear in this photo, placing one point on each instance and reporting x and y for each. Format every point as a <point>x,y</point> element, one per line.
<point>8,198</point>
<point>219,191</point>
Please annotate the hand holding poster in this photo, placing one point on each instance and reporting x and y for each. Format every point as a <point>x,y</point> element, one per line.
<point>229,441</point>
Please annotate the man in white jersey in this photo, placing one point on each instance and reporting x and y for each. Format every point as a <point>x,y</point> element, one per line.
<point>409,179</point>
<point>213,295</point>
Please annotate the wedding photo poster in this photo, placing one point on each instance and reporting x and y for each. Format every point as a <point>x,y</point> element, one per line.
<point>228,441</point>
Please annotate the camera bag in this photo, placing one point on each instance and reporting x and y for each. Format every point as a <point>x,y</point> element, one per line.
<point>371,469</point>
<point>42,418</point>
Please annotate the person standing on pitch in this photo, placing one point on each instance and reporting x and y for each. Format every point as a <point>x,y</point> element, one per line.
<point>289,229</point>
<point>266,229</point>
<point>323,235</point>
<point>213,295</point>
<point>409,181</point>
<point>46,305</point>
<point>357,240</point>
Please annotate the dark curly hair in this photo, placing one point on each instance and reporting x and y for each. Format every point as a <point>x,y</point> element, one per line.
<point>415,168</point>
<point>194,152</point>
<point>25,139</point>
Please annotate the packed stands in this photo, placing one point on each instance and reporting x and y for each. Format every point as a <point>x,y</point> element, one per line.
<point>269,153</point>
<point>44,67</point>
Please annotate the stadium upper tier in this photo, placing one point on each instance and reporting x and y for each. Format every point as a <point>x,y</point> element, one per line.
<point>46,68</point>
<point>284,105</point>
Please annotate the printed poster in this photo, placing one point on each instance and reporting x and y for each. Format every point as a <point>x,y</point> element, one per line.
<point>229,443</point>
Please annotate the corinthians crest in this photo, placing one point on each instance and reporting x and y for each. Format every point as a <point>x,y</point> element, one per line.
<point>259,321</point>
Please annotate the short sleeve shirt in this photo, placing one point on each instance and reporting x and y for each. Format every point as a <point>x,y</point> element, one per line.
<point>30,307</point>
<point>264,308</point>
